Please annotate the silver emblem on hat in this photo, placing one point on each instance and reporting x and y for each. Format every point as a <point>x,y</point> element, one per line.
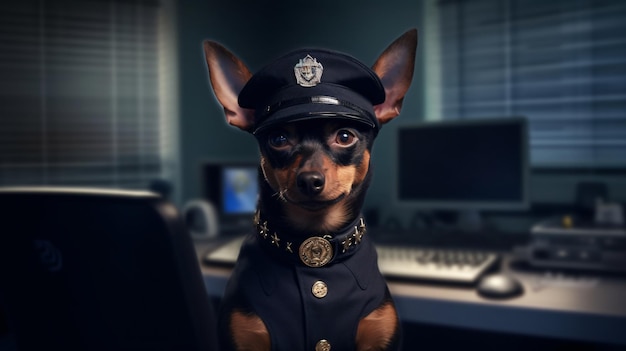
<point>308,72</point>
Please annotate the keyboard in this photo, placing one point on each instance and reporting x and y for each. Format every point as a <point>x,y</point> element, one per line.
<point>225,254</point>
<point>443,265</point>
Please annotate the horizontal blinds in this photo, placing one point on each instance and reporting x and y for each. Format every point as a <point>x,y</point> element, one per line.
<point>561,64</point>
<point>79,93</point>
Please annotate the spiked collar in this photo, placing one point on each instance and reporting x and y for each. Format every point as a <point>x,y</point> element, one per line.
<point>313,251</point>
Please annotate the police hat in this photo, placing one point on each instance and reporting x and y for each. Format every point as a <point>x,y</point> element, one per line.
<point>311,84</point>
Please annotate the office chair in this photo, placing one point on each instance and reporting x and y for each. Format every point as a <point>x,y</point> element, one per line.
<point>100,270</point>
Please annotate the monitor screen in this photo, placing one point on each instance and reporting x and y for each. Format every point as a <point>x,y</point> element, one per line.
<point>464,164</point>
<point>232,187</point>
<point>239,190</point>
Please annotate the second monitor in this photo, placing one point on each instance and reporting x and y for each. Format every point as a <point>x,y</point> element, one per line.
<point>464,165</point>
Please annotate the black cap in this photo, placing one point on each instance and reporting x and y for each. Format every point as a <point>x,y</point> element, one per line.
<point>311,84</point>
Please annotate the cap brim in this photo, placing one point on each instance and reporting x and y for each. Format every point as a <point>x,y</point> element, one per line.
<point>313,111</point>
<point>323,101</point>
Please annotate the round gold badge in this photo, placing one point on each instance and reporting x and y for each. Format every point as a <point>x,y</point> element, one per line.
<point>316,251</point>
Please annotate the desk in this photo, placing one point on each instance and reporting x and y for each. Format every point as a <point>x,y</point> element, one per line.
<point>586,309</point>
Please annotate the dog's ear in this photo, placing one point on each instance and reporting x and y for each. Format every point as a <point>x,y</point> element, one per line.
<point>394,67</point>
<point>228,75</point>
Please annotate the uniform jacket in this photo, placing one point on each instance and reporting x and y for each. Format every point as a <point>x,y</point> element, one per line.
<point>273,283</point>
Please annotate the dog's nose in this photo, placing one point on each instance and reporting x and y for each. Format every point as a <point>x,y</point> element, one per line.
<point>310,183</point>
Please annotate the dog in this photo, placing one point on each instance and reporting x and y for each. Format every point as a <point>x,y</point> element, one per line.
<point>307,277</point>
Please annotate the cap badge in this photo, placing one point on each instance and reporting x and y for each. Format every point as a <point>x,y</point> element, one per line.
<point>308,72</point>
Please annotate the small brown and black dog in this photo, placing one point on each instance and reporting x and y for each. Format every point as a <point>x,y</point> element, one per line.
<point>307,278</point>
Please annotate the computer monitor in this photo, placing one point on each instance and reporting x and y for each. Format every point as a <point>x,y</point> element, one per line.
<point>232,187</point>
<point>95,269</point>
<point>464,165</point>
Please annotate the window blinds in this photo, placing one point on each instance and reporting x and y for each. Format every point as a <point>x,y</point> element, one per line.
<point>561,64</point>
<point>79,93</point>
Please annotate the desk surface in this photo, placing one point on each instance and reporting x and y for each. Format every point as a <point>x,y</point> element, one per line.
<point>583,308</point>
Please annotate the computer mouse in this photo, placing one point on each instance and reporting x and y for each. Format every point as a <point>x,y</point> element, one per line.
<point>499,285</point>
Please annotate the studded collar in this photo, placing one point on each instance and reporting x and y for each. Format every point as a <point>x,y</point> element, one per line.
<point>314,251</point>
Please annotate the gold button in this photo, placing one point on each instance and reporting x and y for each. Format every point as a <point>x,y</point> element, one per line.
<point>322,345</point>
<point>319,289</point>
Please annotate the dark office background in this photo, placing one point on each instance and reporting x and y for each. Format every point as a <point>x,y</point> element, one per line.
<point>115,93</point>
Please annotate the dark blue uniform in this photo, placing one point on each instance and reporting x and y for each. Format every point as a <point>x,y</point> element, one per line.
<point>272,283</point>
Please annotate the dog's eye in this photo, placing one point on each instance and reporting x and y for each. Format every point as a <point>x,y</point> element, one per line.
<point>278,140</point>
<point>345,138</point>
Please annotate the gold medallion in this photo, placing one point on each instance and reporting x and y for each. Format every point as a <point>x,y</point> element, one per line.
<point>316,251</point>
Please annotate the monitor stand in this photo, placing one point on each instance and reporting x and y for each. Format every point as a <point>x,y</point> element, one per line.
<point>469,220</point>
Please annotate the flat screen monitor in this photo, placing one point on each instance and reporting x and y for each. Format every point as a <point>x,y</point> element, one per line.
<point>232,187</point>
<point>464,165</point>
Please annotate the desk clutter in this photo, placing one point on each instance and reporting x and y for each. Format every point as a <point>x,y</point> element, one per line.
<point>569,242</point>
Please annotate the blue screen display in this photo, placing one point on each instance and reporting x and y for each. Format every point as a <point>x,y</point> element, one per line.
<point>239,190</point>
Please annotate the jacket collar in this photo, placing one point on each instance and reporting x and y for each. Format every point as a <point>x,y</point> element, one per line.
<point>312,251</point>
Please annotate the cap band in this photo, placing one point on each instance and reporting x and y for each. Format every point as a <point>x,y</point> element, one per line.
<point>326,100</point>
